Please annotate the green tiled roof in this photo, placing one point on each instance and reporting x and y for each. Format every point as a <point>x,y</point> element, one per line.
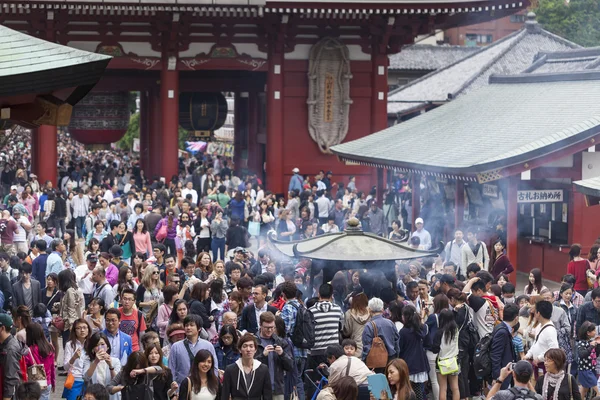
<point>507,122</point>
<point>23,54</point>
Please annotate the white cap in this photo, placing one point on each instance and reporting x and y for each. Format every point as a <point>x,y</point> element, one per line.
<point>419,220</point>
<point>295,170</point>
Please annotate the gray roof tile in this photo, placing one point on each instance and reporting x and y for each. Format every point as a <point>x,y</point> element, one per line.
<point>22,54</point>
<point>509,55</point>
<point>426,57</point>
<point>516,117</point>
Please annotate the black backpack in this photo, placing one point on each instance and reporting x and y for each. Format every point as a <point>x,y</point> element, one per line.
<point>482,360</point>
<point>468,334</point>
<point>303,335</point>
<point>137,392</point>
<point>524,394</point>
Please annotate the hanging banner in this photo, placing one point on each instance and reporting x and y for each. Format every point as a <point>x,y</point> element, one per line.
<point>539,196</point>
<point>490,190</point>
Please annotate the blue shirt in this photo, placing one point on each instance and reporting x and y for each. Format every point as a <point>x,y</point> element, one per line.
<point>115,347</point>
<point>179,358</point>
<point>54,263</point>
<point>288,314</point>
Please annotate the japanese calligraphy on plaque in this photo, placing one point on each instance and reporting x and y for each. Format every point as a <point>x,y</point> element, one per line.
<point>328,93</point>
<point>329,87</point>
<point>539,196</point>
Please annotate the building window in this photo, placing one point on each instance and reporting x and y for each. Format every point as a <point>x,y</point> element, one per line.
<point>517,18</point>
<point>474,39</point>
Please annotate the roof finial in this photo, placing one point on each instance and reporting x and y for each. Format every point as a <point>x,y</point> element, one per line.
<point>531,24</point>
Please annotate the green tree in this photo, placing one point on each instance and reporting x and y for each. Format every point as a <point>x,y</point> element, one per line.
<point>133,132</point>
<point>576,20</point>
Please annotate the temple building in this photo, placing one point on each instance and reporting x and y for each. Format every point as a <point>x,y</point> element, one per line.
<point>305,75</point>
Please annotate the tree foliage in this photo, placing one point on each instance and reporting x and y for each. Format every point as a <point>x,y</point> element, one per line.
<point>577,20</point>
<point>133,132</point>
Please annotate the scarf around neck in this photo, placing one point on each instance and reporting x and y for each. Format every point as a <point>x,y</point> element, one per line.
<point>553,380</point>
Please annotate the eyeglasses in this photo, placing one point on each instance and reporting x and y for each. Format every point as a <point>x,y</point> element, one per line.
<point>268,328</point>
<point>81,328</point>
<point>155,272</point>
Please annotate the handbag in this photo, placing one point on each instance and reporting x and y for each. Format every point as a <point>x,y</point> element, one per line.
<point>254,228</point>
<point>294,395</point>
<point>37,373</point>
<point>378,354</point>
<point>162,233</point>
<point>448,366</point>
<point>70,381</point>
<point>59,323</point>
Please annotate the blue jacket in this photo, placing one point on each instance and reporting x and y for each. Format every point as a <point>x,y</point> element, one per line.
<point>38,267</point>
<point>226,356</point>
<point>124,346</point>
<point>237,208</point>
<point>386,330</point>
<point>502,351</point>
<point>412,349</point>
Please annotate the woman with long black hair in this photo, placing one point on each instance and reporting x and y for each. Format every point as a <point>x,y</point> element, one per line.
<point>413,338</point>
<point>164,387</point>
<point>135,373</point>
<point>41,353</point>
<point>535,286</point>
<point>73,361</point>
<point>202,384</point>
<point>445,345</point>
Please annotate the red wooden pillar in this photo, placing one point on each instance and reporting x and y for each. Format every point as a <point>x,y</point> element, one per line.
<point>154,134</point>
<point>379,86</point>
<point>254,156</point>
<point>275,170</point>
<point>459,205</point>
<point>380,187</point>
<point>512,231</point>
<point>145,132</point>
<point>169,106</point>
<point>240,142</point>
<point>44,155</point>
<point>416,199</point>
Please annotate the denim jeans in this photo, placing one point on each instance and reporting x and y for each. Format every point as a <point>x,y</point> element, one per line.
<point>46,393</point>
<point>218,244</point>
<point>301,365</point>
<point>79,226</point>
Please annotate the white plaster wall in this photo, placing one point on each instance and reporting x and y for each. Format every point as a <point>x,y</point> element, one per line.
<point>195,49</point>
<point>302,51</point>
<point>87,46</point>
<point>140,48</point>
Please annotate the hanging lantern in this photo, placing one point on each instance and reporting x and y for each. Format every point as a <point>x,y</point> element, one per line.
<point>100,119</point>
<point>202,113</point>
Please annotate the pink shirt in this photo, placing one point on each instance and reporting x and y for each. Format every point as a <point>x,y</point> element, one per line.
<point>48,363</point>
<point>143,244</point>
<point>112,274</point>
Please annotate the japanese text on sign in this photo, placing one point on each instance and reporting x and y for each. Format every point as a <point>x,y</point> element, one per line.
<point>490,190</point>
<point>539,196</point>
<point>328,112</point>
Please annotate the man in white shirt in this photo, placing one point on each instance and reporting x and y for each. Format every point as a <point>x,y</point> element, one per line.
<point>189,189</point>
<point>81,208</point>
<point>422,234</point>
<point>83,274</point>
<point>474,252</point>
<point>453,252</point>
<point>323,207</point>
<point>547,337</point>
<point>20,235</point>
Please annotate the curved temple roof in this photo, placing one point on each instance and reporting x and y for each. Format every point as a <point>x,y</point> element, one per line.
<point>351,245</point>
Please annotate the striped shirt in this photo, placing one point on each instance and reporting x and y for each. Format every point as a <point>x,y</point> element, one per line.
<point>329,320</point>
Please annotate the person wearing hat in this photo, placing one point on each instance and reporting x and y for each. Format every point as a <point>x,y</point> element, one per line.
<point>422,234</point>
<point>296,181</point>
<point>520,373</point>
<point>327,180</point>
<point>12,351</point>
<point>13,192</point>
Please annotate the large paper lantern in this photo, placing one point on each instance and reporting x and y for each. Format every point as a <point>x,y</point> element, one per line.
<point>101,118</point>
<point>202,113</point>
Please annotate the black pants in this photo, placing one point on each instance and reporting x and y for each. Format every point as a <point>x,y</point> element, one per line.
<point>463,378</point>
<point>203,244</point>
<point>315,360</point>
<point>171,249</point>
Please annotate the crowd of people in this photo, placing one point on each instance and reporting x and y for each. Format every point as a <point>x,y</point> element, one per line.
<point>134,288</point>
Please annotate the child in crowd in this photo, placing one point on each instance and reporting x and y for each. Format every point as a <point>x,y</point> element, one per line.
<point>349,346</point>
<point>586,350</point>
<point>42,316</point>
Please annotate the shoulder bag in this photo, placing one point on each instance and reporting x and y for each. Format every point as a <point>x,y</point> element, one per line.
<point>378,354</point>
<point>37,373</point>
<point>449,365</point>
